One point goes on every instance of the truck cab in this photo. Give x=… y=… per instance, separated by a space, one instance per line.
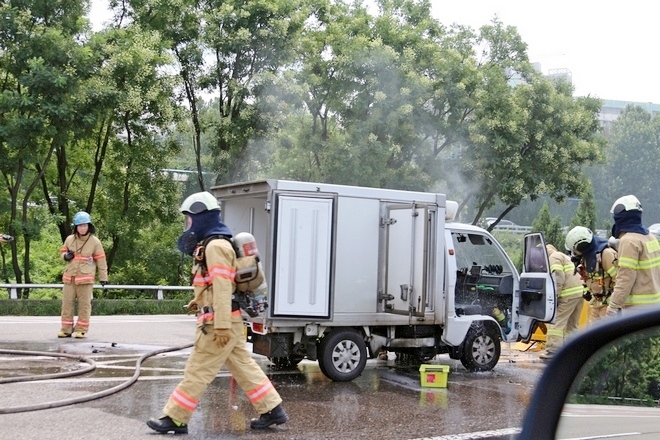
x=352 y=271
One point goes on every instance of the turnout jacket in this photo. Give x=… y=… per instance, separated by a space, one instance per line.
x=214 y=284
x=568 y=283
x=88 y=256
x=638 y=275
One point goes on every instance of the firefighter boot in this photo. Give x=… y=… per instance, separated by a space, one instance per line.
x=63 y=334
x=275 y=416
x=166 y=424
x=80 y=335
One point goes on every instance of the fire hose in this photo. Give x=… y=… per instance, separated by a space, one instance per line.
x=90 y=367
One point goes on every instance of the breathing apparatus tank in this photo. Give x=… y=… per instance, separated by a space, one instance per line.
x=246 y=244
x=249 y=277
x=500 y=316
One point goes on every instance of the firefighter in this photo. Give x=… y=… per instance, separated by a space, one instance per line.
x=84 y=256
x=596 y=262
x=638 y=274
x=569 y=301
x=219 y=338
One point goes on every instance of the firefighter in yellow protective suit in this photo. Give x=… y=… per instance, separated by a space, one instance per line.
x=596 y=262
x=569 y=300
x=638 y=276
x=219 y=339
x=84 y=256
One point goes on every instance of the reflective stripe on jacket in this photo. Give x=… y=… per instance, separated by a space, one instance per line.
x=89 y=257
x=638 y=275
x=567 y=280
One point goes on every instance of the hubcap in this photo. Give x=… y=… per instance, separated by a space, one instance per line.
x=483 y=350
x=345 y=356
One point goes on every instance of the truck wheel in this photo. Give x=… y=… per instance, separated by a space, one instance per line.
x=343 y=355
x=481 y=350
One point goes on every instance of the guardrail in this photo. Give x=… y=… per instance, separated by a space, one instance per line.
x=515 y=229
x=13 y=288
x=525 y=229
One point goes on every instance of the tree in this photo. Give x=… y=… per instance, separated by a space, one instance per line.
x=551 y=228
x=249 y=42
x=42 y=64
x=632 y=162
x=586 y=214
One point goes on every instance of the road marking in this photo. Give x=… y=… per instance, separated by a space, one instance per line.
x=476 y=435
x=623 y=434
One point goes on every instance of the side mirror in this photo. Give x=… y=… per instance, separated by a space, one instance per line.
x=601 y=373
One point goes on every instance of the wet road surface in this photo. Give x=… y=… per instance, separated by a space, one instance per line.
x=385 y=402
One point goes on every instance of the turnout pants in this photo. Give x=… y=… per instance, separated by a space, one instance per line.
x=566 y=321
x=204 y=363
x=72 y=293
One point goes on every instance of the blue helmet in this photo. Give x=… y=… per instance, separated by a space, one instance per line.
x=81 y=218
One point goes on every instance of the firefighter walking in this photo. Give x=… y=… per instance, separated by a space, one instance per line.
x=84 y=256
x=638 y=276
x=219 y=338
x=569 y=300
x=596 y=263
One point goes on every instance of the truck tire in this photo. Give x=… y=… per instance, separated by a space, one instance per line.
x=481 y=349
x=343 y=355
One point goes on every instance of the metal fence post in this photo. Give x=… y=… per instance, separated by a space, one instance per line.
x=160 y=294
x=13 y=293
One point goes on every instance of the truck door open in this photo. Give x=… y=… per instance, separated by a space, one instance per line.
x=537 y=288
x=407 y=230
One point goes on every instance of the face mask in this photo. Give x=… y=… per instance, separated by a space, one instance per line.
x=187 y=242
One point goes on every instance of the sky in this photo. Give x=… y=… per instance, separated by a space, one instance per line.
x=607 y=46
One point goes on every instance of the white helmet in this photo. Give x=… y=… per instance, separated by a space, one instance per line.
x=626 y=203
x=199 y=202
x=577 y=238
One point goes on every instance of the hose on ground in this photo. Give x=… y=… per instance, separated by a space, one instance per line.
x=90 y=367
x=72 y=401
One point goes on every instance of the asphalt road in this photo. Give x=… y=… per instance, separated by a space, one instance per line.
x=385 y=402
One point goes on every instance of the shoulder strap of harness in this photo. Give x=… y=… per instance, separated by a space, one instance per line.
x=200 y=252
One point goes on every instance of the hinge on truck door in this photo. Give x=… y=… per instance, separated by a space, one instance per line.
x=387 y=221
x=382 y=296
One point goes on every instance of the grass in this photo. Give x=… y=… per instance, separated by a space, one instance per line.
x=53 y=307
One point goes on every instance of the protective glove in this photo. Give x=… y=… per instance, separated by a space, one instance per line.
x=221 y=336
x=612 y=312
x=587 y=295
x=103 y=283
x=192 y=307
x=68 y=256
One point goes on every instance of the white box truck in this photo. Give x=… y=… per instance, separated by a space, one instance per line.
x=352 y=271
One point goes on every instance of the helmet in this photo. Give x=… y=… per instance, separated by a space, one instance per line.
x=199 y=202
x=578 y=238
x=81 y=218
x=626 y=203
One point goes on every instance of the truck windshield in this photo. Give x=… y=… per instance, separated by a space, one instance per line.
x=478 y=255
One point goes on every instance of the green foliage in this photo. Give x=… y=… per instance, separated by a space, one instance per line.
x=513 y=244
x=631 y=163
x=625 y=373
x=551 y=228
x=308 y=90
x=586 y=214
x=33 y=307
